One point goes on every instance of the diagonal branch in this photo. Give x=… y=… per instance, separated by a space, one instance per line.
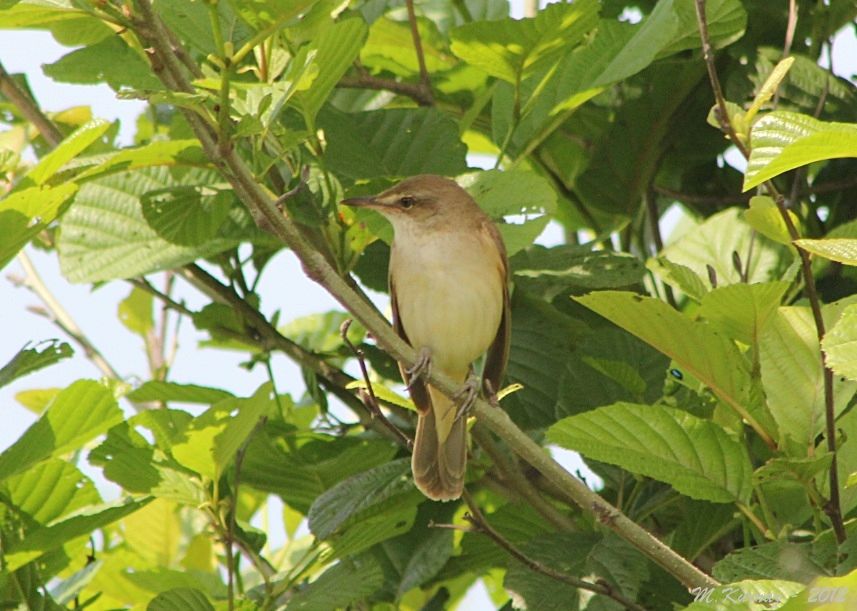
x=29 y=108
x=481 y=525
x=261 y=205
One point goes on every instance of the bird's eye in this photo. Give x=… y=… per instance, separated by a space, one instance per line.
x=407 y=201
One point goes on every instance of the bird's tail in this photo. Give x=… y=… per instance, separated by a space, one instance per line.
x=439 y=461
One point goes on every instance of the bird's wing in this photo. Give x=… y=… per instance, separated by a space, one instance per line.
x=498 y=352
x=418 y=391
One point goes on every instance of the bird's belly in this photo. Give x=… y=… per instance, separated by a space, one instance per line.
x=453 y=309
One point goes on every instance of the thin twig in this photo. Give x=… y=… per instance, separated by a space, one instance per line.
x=29 y=108
x=367 y=81
x=57 y=314
x=720 y=100
x=833 y=507
x=418 y=47
x=481 y=525
x=369 y=398
x=518 y=483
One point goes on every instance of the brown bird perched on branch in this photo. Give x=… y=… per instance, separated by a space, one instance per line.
x=448 y=285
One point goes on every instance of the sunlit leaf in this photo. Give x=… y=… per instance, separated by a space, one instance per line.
x=30 y=359
x=77 y=414
x=783 y=141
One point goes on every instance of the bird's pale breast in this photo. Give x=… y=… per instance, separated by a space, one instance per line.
x=449 y=292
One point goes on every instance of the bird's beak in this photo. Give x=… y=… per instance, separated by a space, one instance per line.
x=361 y=202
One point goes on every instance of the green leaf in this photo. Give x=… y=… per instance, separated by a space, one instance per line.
x=392 y=142
x=622 y=566
x=77 y=414
x=742 y=310
x=262 y=13
x=783 y=141
x=105 y=235
x=157 y=390
x=840 y=344
x=610 y=365
x=160 y=152
x=46 y=538
x=354 y=495
x=839 y=592
x=70 y=26
x=774 y=560
x=800 y=469
x=765 y=217
x=562 y=270
x=301 y=475
x=27 y=360
x=211 y=440
x=109 y=61
x=518 y=236
x=319 y=332
x=842 y=250
x=695 y=456
x=26 y=213
x=713 y=243
x=428 y=557
x=700 y=349
x=792 y=375
x=192 y=22
x=135 y=312
x=542 y=340
x=565 y=552
x=335 y=49
x=130 y=461
x=390 y=46
x=68 y=149
x=50 y=489
x=186 y=215
x=154 y=532
x=669 y=28
x=513 y=49
x=180 y=599
x=692 y=537
x=500 y=193
x=678 y=276
x=346 y=582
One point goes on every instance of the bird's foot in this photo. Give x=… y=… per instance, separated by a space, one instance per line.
x=421 y=369
x=465 y=397
x=491 y=394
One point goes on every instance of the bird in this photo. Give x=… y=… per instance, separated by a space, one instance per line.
x=449 y=289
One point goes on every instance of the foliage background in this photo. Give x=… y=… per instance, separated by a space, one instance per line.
x=581 y=164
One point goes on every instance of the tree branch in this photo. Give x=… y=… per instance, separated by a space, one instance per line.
x=481 y=525
x=29 y=108
x=261 y=205
x=365 y=80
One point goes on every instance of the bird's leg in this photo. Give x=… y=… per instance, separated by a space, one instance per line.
x=421 y=369
x=491 y=394
x=466 y=395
